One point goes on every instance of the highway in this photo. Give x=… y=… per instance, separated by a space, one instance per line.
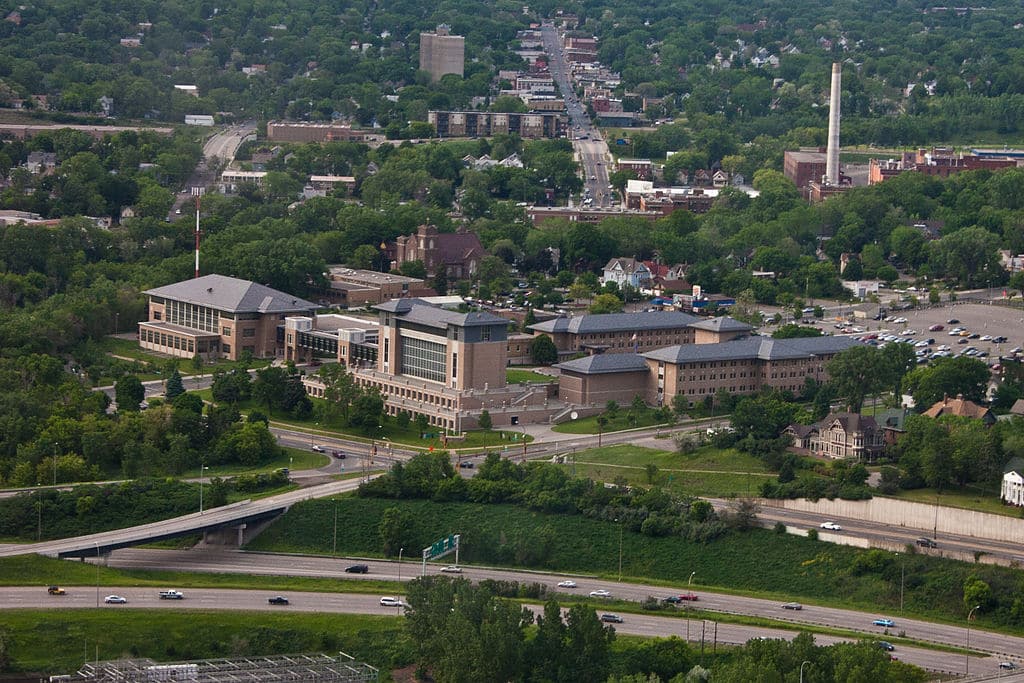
x=219 y=148
x=590 y=149
x=218 y=560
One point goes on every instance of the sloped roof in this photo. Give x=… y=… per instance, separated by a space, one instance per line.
x=232 y=295
x=605 y=363
x=425 y=313
x=958 y=406
x=722 y=324
x=1018 y=407
x=801 y=430
x=1014 y=465
x=617 y=322
x=762 y=348
x=851 y=422
x=456 y=247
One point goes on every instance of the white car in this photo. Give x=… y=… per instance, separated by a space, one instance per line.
x=600 y=593
x=452 y=569
x=566 y=584
x=831 y=526
x=115 y=600
x=391 y=602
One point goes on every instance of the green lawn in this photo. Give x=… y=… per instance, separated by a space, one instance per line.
x=516 y=376
x=588 y=425
x=707 y=472
x=130 y=349
x=970 y=498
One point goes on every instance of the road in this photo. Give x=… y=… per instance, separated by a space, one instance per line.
x=219 y=148
x=227 y=561
x=590 y=149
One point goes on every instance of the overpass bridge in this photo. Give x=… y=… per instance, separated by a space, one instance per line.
x=237 y=515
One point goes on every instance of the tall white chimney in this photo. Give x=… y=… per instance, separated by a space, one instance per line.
x=832 y=157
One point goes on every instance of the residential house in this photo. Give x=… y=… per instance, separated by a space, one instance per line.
x=627 y=271
x=961 y=407
x=1012 y=490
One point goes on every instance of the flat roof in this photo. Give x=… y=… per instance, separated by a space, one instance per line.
x=806 y=156
x=617 y=322
x=340 y=272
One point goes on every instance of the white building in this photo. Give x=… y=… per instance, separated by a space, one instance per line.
x=1012 y=492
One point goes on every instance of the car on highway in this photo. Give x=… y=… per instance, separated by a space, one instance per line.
x=612 y=618
x=357 y=569
x=688 y=597
x=926 y=542
x=600 y=593
x=278 y=600
x=888 y=623
x=172 y=595
x=391 y=602
x=319 y=449
x=340 y=455
x=1007 y=665
x=831 y=526
x=115 y=600
x=452 y=569
x=567 y=584
x=885 y=645
x=792 y=605
x=56 y=590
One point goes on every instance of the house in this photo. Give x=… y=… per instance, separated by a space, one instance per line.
x=456 y=253
x=41 y=163
x=1012 y=490
x=840 y=436
x=627 y=271
x=961 y=407
x=1018 y=408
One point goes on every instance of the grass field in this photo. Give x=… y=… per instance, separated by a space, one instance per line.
x=970 y=498
x=59 y=639
x=516 y=375
x=128 y=348
x=708 y=472
x=588 y=425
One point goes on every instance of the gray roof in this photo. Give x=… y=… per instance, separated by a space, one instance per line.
x=605 y=363
x=722 y=324
x=424 y=313
x=232 y=295
x=1014 y=464
x=763 y=348
x=616 y=322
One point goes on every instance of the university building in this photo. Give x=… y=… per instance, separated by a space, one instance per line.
x=215 y=316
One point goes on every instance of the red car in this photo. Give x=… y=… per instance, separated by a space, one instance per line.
x=690 y=597
x=936 y=328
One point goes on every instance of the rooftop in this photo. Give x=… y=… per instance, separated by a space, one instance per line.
x=722 y=324
x=232 y=295
x=423 y=313
x=605 y=363
x=617 y=322
x=368 y=277
x=761 y=348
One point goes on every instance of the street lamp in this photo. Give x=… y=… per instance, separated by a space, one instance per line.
x=400 y=551
x=56 y=448
x=202 y=468
x=967 y=655
x=802 y=665
x=621 y=527
x=97 y=544
x=902 y=568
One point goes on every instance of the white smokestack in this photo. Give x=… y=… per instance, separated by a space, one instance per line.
x=832 y=157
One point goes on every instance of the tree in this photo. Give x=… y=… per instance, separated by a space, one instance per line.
x=368 y=412
x=484 y=421
x=129 y=393
x=856 y=373
x=543 y=351
x=365 y=256
x=175 y=387
x=948 y=377
x=422 y=423
x=395 y=530
x=339 y=389
x=269 y=387
x=792 y=331
x=606 y=303
x=588 y=645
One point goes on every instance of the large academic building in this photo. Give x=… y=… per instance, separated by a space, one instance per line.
x=215 y=316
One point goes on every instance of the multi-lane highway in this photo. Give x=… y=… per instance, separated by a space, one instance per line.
x=590 y=149
x=1001 y=647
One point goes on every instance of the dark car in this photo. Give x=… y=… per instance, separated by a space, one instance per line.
x=886 y=646
x=340 y=455
x=613 y=618
x=953 y=321
x=466 y=464
x=357 y=569
x=672 y=600
x=278 y=600
x=792 y=605
x=926 y=542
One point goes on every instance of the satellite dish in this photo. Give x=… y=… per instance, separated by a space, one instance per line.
x=574 y=415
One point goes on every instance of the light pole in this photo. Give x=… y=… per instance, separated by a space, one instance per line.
x=312 y=433
x=56 y=448
x=902 y=574
x=967 y=655
x=621 y=527
x=802 y=665
x=97 y=544
x=202 y=468
x=400 y=551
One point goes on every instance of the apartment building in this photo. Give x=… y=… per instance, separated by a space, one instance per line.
x=442 y=53
x=487 y=123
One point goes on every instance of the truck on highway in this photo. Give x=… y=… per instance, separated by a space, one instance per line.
x=172 y=595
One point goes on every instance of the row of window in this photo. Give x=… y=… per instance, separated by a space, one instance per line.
x=424 y=359
x=171 y=341
x=246 y=332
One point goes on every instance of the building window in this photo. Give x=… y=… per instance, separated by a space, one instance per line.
x=424 y=359
x=485 y=334
x=249 y=332
x=157 y=315
x=455 y=365
x=226 y=332
x=226 y=348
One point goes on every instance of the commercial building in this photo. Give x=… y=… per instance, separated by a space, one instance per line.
x=353 y=287
x=804 y=166
x=487 y=123
x=216 y=316
x=442 y=53
x=291 y=131
x=584 y=214
x=738 y=364
x=940 y=161
x=641 y=195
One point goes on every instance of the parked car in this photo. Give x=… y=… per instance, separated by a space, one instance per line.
x=886 y=645
x=831 y=526
x=888 y=623
x=600 y=593
x=466 y=464
x=391 y=602
x=612 y=618
x=115 y=600
x=926 y=542
x=357 y=569
x=56 y=590
x=953 y=321
x=452 y=569
x=278 y=600
x=792 y=605
x=936 y=328
x=567 y=584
